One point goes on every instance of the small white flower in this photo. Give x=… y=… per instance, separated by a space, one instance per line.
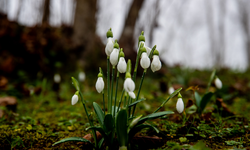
x=145 y=61
x=129 y=87
x=109 y=46
x=99 y=85
x=81 y=76
x=180 y=105
x=148 y=50
x=156 y=63
x=122 y=65
x=74 y=99
x=171 y=90
x=218 y=83
x=57 y=78
x=114 y=56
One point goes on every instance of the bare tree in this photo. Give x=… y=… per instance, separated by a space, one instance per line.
x=126 y=41
x=243 y=7
x=46 y=12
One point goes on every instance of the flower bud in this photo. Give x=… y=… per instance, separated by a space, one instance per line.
x=114 y=57
x=135 y=121
x=145 y=61
x=81 y=76
x=75 y=98
x=109 y=46
x=218 y=83
x=109 y=33
x=156 y=63
x=180 y=105
x=171 y=90
x=129 y=86
x=99 y=83
x=122 y=65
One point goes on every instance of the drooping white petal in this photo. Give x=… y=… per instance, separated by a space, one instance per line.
x=170 y=90
x=156 y=63
x=180 y=105
x=218 y=83
x=122 y=65
x=142 y=42
x=74 y=99
x=131 y=94
x=145 y=61
x=57 y=78
x=129 y=85
x=148 y=50
x=114 y=57
x=99 y=85
x=109 y=46
x=81 y=76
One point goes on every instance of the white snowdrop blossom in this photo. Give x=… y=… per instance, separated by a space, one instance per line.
x=99 y=84
x=114 y=57
x=180 y=105
x=81 y=76
x=109 y=46
x=145 y=61
x=148 y=50
x=57 y=78
x=170 y=90
x=129 y=87
x=122 y=65
x=218 y=83
x=74 y=99
x=156 y=63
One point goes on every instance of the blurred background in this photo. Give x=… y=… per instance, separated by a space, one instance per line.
x=45 y=37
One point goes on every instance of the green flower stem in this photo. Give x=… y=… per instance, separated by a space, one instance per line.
x=116 y=89
x=136 y=65
x=90 y=122
x=120 y=101
x=138 y=94
x=108 y=84
x=112 y=83
x=125 y=100
x=103 y=102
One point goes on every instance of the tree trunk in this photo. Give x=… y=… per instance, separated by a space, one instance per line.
x=46 y=12
x=127 y=37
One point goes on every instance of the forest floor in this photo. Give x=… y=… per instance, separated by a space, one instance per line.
x=47 y=116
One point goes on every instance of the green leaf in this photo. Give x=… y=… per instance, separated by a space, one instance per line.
x=154 y=116
x=211 y=79
x=138 y=101
x=197 y=99
x=100 y=143
x=75 y=139
x=99 y=113
x=171 y=96
x=121 y=127
x=75 y=83
x=205 y=99
x=108 y=123
x=138 y=128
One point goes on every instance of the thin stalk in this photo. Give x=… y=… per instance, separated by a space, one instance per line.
x=125 y=100
x=103 y=102
x=136 y=65
x=138 y=94
x=120 y=101
x=90 y=122
x=112 y=83
x=116 y=89
x=108 y=85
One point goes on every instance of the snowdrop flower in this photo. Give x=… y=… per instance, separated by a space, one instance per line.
x=57 y=78
x=129 y=86
x=171 y=90
x=148 y=50
x=179 y=104
x=114 y=55
x=81 y=76
x=99 y=83
x=75 y=98
x=156 y=63
x=145 y=61
x=218 y=83
x=110 y=43
x=122 y=65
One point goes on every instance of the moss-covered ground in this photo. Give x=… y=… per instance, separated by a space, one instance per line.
x=45 y=117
